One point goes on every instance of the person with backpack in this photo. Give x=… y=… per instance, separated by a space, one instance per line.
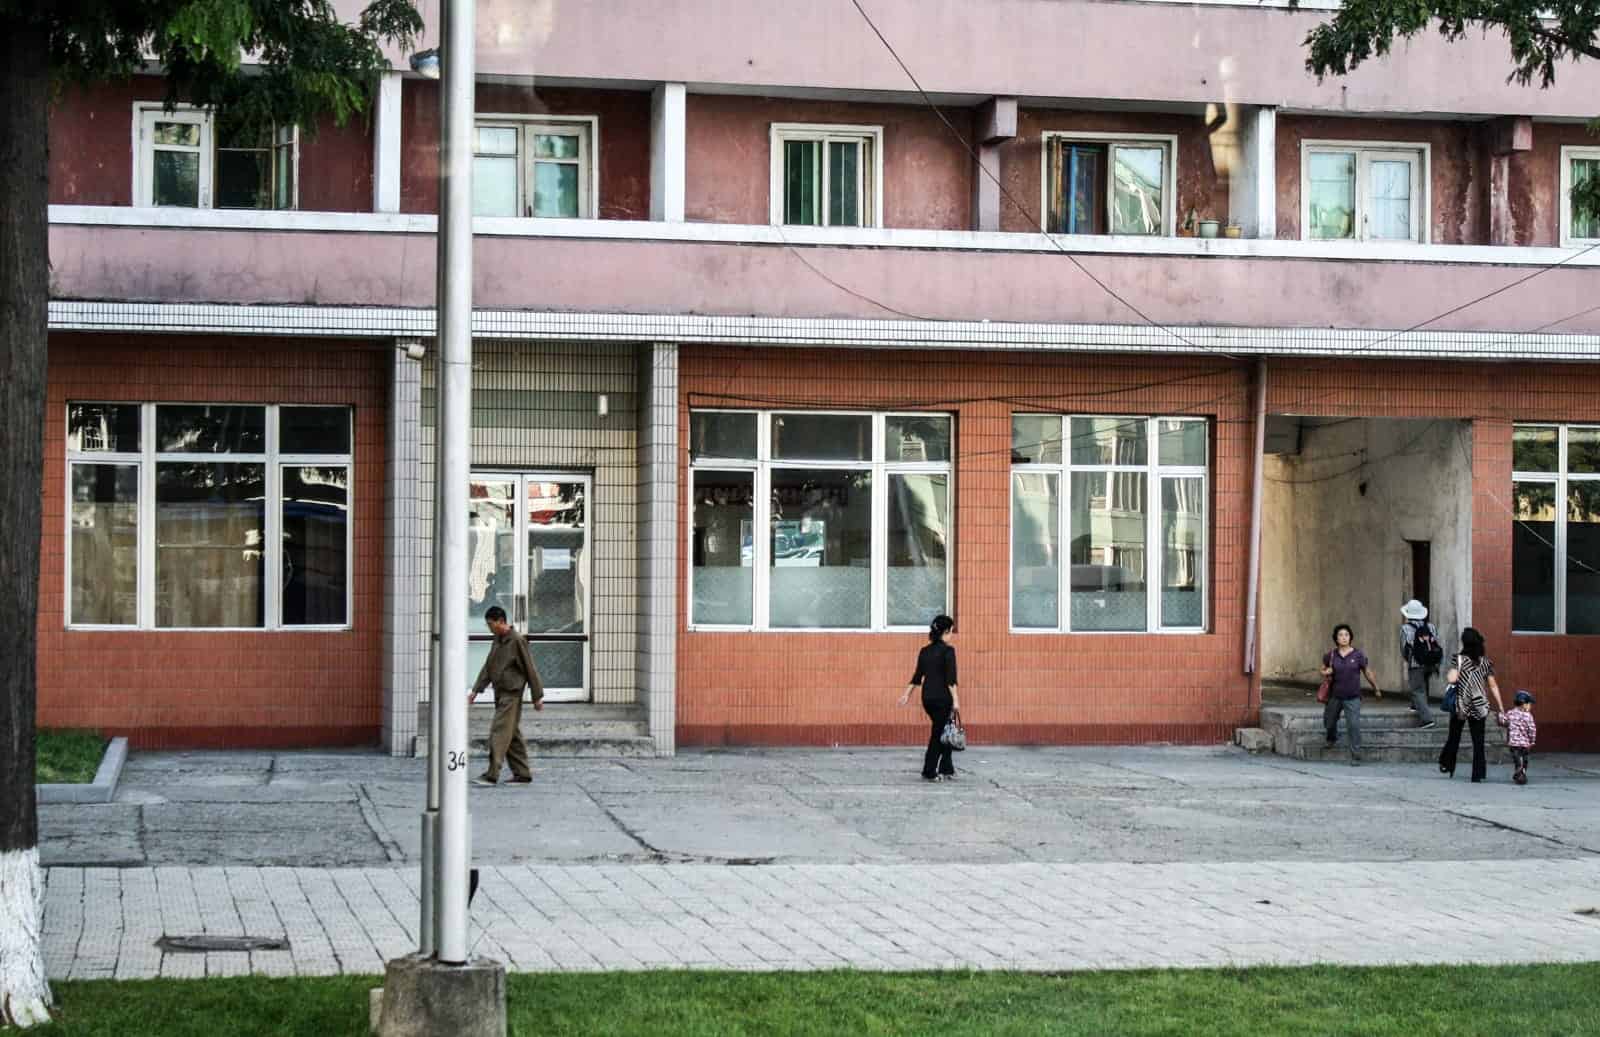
x=1422 y=651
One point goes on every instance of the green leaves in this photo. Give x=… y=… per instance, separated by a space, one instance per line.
x=258 y=62
x=1540 y=33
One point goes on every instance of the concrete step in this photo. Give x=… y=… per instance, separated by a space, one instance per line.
x=1389 y=734
x=562 y=729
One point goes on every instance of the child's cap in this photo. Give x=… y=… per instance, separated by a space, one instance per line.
x=1521 y=697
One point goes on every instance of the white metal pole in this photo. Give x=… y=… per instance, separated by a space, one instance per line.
x=429 y=886
x=454 y=454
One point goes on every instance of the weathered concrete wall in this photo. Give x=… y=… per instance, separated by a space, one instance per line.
x=624 y=131
x=1200 y=185
x=366 y=269
x=91 y=151
x=1536 y=182
x=1198 y=52
x=927 y=174
x=1335 y=554
x=1458 y=192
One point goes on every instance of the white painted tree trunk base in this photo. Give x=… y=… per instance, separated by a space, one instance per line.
x=24 y=991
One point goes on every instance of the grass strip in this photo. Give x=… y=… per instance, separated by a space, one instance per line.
x=68 y=757
x=1411 y=1001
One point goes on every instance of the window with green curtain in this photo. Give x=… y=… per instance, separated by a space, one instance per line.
x=802 y=182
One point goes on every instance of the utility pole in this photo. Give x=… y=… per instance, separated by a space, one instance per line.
x=442 y=990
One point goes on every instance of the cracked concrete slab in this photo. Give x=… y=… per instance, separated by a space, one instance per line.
x=803 y=806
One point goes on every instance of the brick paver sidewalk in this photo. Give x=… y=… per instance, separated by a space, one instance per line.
x=104 y=922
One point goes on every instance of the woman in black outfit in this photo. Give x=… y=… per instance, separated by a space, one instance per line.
x=936 y=672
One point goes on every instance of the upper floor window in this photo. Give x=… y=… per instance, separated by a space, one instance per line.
x=185 y=158
x=197 y=516
x=1359 y=192
x=1109 y=185
x=1578 y=167
x=1555 y=529
x=827 y=176
x=1128 y=498
x=815 y=520
x=523 y=167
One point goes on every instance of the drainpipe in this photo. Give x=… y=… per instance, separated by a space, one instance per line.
x=1253 y=576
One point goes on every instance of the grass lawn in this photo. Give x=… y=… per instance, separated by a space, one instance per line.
x=68 y=757
x=1527 y=1001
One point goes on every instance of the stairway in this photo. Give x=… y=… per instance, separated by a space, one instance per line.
x=561 y=729
x=1389 y=733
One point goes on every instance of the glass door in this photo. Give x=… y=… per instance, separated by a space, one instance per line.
x=528 y=552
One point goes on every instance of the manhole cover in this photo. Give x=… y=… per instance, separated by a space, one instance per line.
x=202 y=944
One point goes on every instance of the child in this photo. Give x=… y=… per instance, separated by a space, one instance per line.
x=1520 y=734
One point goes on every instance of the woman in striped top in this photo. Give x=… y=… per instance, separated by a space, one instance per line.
x=1473 y=676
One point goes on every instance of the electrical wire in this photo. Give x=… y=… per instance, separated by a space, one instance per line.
x=1006 y=192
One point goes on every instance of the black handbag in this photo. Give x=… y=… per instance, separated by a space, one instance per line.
x=954 y=735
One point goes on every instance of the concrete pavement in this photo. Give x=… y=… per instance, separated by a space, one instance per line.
x=1050 y=858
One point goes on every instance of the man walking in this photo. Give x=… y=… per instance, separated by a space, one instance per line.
x=509 y=668
x=1420 y=647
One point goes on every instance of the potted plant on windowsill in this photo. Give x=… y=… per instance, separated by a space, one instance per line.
x=1186 y=230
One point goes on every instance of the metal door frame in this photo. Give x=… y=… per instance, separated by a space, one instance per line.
x=521 y=478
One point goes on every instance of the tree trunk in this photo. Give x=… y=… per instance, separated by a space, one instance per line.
x=24 y=297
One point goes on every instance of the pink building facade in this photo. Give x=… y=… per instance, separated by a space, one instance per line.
x=779 y=356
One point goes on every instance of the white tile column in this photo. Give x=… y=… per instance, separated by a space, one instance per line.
x=386 y=144
x=668 y=121
x=1253 y=185
x=405 y=553
x=659 y=531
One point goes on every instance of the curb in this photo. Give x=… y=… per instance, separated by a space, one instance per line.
x=101 y=790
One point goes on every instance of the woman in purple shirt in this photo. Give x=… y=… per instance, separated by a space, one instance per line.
x=1344 y=667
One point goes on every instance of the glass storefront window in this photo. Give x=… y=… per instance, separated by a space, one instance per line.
x=723 y=548
x=821 y=548
x=1135 y=519
x=816 y=521
x=919 y=546
x=222 y=513
x=104 y=527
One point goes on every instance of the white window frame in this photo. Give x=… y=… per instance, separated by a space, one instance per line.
x=1560 y=479
x=146 y=114
x=762 y=467
x=1155 y=555
x=1570 y=152
x=272 y=460
x=825 y=134
x=1418 y=153
x=1169 y=186
x=588 y=162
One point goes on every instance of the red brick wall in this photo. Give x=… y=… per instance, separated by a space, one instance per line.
x=826 y=688
x=217 y=689
x=91 y=151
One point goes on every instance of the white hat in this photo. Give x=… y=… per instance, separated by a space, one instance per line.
x=1414 y=609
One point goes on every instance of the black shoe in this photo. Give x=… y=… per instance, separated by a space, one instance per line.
x=523 y=781
x=1451 y=771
